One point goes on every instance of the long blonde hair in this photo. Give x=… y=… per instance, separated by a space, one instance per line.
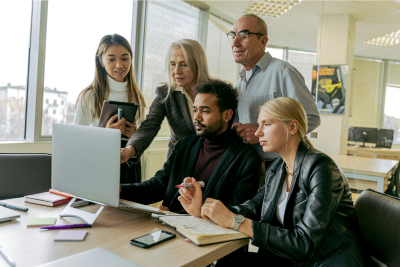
x=286 y=109
x=195 y=58
x=100 y=88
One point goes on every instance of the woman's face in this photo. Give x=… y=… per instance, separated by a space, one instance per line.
x=117 y=62
x=271 y=133
x=181 y=73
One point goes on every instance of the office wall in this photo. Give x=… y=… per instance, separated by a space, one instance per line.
x=366 y=94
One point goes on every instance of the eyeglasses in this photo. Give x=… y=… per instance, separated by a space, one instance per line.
x=243 y=35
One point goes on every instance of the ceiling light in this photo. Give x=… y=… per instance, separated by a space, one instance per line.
x=385 y=40
x=272 y=8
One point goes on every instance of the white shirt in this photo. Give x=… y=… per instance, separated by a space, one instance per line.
x=85 y=110
x=189 y=100
x=282 y=201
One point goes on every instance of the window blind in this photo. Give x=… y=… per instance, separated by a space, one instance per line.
x=303 y=62
x=166 y=22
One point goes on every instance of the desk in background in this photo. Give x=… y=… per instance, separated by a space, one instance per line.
x=374 y=152
x=112 y=230
x=363 y=173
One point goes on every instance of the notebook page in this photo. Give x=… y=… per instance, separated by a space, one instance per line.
x=198 y=226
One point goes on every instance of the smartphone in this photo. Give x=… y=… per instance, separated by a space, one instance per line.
x=152 y=239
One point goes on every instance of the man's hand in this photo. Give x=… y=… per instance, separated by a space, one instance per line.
x=246 y=132
x=161 y=207
x=127 y=153
x=191 y=199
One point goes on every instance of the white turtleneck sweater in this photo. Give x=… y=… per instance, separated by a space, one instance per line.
x=85 y=111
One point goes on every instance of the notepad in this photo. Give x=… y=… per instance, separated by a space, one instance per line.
x=70 y=235
x=38 y=222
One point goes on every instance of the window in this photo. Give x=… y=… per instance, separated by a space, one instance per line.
x=219 y=53
x=303 y=62
x=70 y=41
x=62 y=102
x=13 y=83
x=54 y=111
x=55 y=101
x=276 y=52
x=391 y=119
x=167 y=22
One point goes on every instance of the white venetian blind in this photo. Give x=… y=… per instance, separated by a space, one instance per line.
x=303 y=62
x=167 y=22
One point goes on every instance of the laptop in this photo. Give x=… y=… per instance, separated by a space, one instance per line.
x=98 y=257
x=86 y=162
x=7 y=214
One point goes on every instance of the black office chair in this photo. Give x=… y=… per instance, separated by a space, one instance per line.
x=394 y=185
x=24 y=174
x=378 y=217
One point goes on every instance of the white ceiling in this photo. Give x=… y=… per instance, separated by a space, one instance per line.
x=298 y=28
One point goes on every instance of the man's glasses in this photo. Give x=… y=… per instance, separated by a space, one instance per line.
x=243 y=35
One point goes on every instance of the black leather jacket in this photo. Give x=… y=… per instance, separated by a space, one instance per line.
x=320 y=224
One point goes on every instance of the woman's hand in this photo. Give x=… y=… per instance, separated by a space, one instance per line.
x=116 y=125
x=215 y=210
x=127 y=153
x=130 y=128
x=191 y=199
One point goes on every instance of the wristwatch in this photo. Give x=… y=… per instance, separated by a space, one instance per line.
x=237 y=221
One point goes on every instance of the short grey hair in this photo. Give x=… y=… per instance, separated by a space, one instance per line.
x=261 y=25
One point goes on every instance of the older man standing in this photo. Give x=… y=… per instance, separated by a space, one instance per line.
x=263 y=78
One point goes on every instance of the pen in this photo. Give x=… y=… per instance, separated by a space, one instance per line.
x=6 y=256
x=119 y=113
x=55 y=227
x=59 y=193
x=13 y=207
x=189 y=185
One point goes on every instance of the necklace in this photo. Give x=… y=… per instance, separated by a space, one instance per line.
x=287 y=170
x=117 y=98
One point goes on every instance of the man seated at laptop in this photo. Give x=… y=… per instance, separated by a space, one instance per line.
x=215 y=155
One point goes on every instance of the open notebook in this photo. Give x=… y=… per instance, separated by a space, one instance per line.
x=200 y=231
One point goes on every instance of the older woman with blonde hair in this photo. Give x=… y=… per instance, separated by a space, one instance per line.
x=186 y=64
x=304 y=214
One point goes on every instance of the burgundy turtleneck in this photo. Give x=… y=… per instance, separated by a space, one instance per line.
x=211 y=151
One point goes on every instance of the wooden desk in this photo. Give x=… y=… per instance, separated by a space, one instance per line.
x=374 y=152
x=364 y=173
x=112 y=231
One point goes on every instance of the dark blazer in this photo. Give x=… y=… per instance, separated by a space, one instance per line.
x=320 y=224
x=175 y=108
x=234 y=179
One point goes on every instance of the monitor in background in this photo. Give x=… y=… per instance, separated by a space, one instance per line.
x=385 y=138
x=362 y=134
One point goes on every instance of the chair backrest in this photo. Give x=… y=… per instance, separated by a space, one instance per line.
x=378 y=217
x=393 y=188
x=24 y=174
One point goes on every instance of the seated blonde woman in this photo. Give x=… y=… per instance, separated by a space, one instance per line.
x=304 y=214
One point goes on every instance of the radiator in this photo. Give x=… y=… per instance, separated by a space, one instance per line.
x=154 y=161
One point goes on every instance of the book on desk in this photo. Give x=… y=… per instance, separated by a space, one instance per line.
x=200 y=231
x=47 y=199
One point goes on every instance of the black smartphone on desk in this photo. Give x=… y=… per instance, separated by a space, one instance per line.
x=152 y=239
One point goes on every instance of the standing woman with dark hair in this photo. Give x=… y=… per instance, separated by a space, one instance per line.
x=186 y=64
x=114 y=80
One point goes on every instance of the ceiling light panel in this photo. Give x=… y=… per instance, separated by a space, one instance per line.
x=385 y=40
x=273 y=8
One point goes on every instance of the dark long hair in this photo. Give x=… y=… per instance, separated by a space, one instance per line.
x=100 y=88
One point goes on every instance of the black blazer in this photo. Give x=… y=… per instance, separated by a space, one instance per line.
x=175 y=108
x=320 y=223
x=234 y=180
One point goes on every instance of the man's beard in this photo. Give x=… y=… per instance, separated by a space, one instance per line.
x=210 y=130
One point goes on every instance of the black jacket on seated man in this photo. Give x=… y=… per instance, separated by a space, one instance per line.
x=320 y=222
x=234 y=179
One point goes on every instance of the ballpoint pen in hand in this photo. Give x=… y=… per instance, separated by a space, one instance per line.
x=6 y=256
x=55 y=227
x=13 y=207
